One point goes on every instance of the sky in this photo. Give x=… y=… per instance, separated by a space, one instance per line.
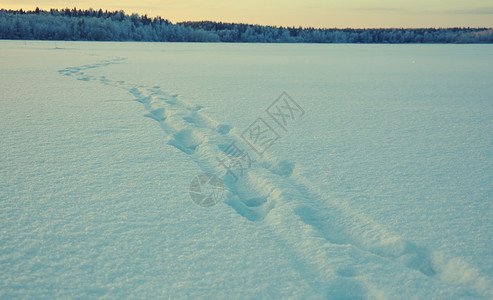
x=306 y=13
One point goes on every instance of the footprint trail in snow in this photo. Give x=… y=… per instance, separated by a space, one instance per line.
x=324 y=234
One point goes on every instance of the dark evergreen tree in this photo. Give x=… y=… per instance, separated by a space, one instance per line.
x=73 y=24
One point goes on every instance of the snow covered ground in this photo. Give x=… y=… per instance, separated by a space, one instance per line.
x=379 y=184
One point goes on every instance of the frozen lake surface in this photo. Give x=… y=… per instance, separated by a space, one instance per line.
x=371 y=177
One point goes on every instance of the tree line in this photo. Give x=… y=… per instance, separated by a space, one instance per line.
x=98 y=25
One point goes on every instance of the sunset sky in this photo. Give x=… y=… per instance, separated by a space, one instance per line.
x=315 y=13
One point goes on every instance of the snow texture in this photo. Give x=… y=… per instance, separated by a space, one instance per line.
x=380 y=190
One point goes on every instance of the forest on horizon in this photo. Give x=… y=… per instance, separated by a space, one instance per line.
x=98 y=25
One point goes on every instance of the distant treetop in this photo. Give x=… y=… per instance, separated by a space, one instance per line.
x=98 y=25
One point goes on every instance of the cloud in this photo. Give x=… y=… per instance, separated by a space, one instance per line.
x=382 y=9
x=435 y=11
x=477 y=11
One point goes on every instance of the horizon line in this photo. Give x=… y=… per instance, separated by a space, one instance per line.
x=242 y=23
